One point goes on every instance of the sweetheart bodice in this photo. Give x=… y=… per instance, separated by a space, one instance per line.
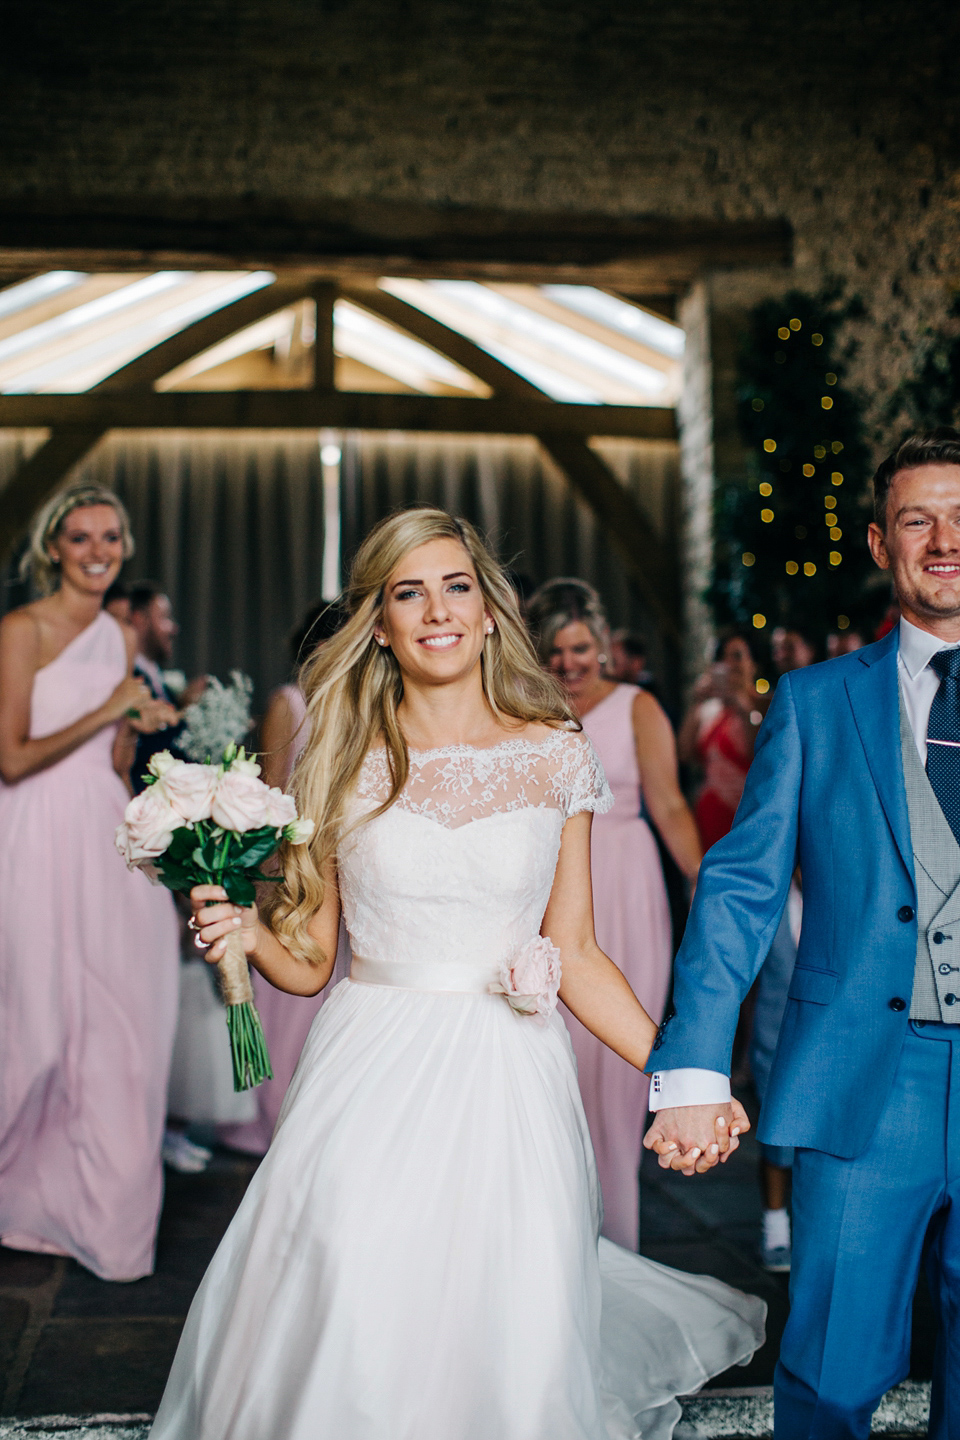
x=455 y=877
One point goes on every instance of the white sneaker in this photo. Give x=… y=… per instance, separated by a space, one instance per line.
x=776 y=1258
x=178 y=1152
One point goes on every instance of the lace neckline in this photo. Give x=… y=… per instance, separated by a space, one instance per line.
x=417 y=757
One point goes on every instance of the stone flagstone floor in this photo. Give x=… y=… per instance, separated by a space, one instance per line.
x=73 y=1346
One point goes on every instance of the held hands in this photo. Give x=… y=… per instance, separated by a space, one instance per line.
x=132 y=700
x=215 y=917
x=692 y=1138
x=153 y=715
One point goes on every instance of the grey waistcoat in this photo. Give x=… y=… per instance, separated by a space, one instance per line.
x=936 y=855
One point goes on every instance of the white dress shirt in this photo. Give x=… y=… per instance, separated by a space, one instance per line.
x=918 y=685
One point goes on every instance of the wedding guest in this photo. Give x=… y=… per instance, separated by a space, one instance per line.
x=153 y=620
x=88 y=951
x=286 y=1018
x=776 y=1161
x=634 y=740
x=844 y=643
x=793 y=647
x=719 y=731
x=116 y=602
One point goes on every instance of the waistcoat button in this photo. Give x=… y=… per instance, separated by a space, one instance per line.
x=905 y=913
x=949 y=999
x=897 y=1004
x=938 y=937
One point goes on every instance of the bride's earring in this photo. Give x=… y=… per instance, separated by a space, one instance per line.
x=488 y=629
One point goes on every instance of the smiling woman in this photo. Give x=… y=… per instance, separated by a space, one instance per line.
x=421 y=1239
x=88 y=1008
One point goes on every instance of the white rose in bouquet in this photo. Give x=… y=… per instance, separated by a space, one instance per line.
x=298 y=832
x=148 y=827
x=240 y=801
x=189 y=789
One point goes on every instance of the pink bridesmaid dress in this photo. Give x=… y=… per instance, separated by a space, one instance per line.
x=88 y=993
x=286 y=1018
x=632 y=919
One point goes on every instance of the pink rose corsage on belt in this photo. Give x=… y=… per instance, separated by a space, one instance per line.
x=531 y=979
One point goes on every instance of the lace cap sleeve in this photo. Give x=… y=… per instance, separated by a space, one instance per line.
x=583 y=782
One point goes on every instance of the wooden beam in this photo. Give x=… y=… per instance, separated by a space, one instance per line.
x=456 y=346
x=325 y=298
x=639 y=252
x=340 y=409
x=160 y=359
x=641 y=550
x=39 y=476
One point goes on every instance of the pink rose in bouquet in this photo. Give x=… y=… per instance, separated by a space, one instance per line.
x=148 y=827
x=281 y=809
x=531 y=980
x=240 y=802
x=189 y=788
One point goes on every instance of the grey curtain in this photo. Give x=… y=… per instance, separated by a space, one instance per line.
x=232 y=524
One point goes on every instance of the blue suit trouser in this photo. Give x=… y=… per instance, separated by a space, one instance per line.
x=861 y=1230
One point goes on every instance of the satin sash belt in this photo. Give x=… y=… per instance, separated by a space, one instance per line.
x=435 y=975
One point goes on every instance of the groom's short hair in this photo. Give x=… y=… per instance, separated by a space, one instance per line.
x=932 y=447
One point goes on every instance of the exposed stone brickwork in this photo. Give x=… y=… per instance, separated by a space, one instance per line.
x=841 y=118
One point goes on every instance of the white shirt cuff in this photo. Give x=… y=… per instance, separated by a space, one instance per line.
x=688 y=1087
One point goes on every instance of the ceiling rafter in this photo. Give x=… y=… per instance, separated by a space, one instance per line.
x=37 y=477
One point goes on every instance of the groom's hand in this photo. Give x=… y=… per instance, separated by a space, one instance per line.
x=693 y=1138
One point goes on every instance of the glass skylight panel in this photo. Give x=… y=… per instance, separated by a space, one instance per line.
x=82 y=365
x=361 y=336
x=554 y=384
x=619 y=315
x=40 y=287
x=581 y=348
x=575 y=362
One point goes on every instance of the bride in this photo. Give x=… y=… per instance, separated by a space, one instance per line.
x=417 y=1256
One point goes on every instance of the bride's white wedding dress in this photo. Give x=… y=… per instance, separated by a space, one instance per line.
x=416 y=1257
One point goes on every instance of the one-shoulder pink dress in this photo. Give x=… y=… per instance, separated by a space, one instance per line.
x=88 y=992
x=632 y=919
x=286 y=1018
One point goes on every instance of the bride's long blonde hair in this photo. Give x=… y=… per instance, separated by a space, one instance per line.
x=353 y=686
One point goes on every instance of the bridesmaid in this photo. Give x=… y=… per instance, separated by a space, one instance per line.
x=286 y=1018
x=88 y=951
x=634 y=740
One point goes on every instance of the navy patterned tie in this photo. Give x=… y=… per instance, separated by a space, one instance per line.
x=943 y=737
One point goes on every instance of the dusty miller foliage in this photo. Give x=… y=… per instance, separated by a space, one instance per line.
x=220 y=718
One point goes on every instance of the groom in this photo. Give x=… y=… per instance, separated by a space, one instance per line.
x=857 y=779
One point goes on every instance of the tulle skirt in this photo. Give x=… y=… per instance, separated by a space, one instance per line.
x=417 y=1256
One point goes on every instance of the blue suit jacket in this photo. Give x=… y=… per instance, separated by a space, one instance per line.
x=826 y=789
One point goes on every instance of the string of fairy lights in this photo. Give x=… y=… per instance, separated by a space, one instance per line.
x=821 y=452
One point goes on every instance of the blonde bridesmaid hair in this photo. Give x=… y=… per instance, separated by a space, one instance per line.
x=353 y=686
x=37 y=562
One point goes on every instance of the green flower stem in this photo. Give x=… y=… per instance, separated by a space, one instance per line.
x=248 y=1047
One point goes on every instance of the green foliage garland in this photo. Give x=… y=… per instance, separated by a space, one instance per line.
x=777 y=560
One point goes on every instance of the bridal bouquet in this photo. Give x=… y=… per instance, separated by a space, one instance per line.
x=215 y=825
